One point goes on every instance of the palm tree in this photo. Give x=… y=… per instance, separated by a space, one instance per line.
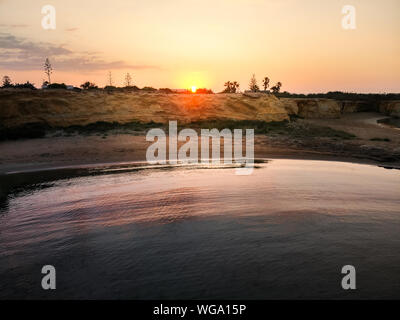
x=234 y=86
x=231 y=86
x=227 y=86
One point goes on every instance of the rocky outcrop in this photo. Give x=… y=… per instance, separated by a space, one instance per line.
x=65 y=108
x=290 y=106
x=390 y=108
x=61 y=108
x=310 y=108
x=358 y=106
x=313 y=108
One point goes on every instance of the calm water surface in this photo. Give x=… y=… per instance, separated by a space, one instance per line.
x=283 y=232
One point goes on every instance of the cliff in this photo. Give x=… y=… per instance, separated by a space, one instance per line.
x=60 y=108
x=390 y=108
x=65 y=108
x=325 y=108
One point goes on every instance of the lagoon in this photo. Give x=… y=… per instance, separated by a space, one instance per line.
x=284 y=232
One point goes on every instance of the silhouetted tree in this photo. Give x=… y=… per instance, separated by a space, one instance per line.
x=26 y=85
x=57 y=86
x=266 y=83
x=253 y=84
x=128 y=80
x=235 y=85
x=88 y=85
x=110 y=81
x=276 y=88
x=48 y=69
x=204 y=91
x=231 y=87
x=7 y=82
x=227 y=86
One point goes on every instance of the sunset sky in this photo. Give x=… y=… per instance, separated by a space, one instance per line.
x=180 y=44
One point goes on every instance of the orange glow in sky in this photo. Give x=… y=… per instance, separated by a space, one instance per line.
x=179 y=44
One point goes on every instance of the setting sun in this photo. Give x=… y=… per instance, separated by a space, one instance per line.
x=194 y=89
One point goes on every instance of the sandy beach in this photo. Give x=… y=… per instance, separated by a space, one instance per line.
x=374 y=143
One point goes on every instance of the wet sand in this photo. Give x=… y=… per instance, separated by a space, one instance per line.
x=113 y=147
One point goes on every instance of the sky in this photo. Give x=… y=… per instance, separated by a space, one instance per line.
x=180 y=44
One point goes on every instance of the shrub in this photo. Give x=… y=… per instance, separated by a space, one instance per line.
x=149 y=89
x=26 y=85
x=165 y=90
x=204 y=90
x=88 y=85
x=57 y=86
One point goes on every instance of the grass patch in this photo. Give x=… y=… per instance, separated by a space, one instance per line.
x=294 y=128
x=39 y=130
x=306 y=130
x=103 y=127
x=260 y=127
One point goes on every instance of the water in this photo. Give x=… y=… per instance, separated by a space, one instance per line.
x=283 y=232
x=390 y=122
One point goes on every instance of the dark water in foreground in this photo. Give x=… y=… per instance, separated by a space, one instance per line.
x=391 y=122
x=283 y=232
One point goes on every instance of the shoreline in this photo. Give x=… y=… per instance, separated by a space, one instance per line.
x=27 y=177
x=136 y=165
x=13 y=168
x=355 y=138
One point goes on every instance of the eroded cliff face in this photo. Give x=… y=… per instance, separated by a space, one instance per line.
x=65 y=108
x=390 y=108
x=313 y=108
x=324 y=108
